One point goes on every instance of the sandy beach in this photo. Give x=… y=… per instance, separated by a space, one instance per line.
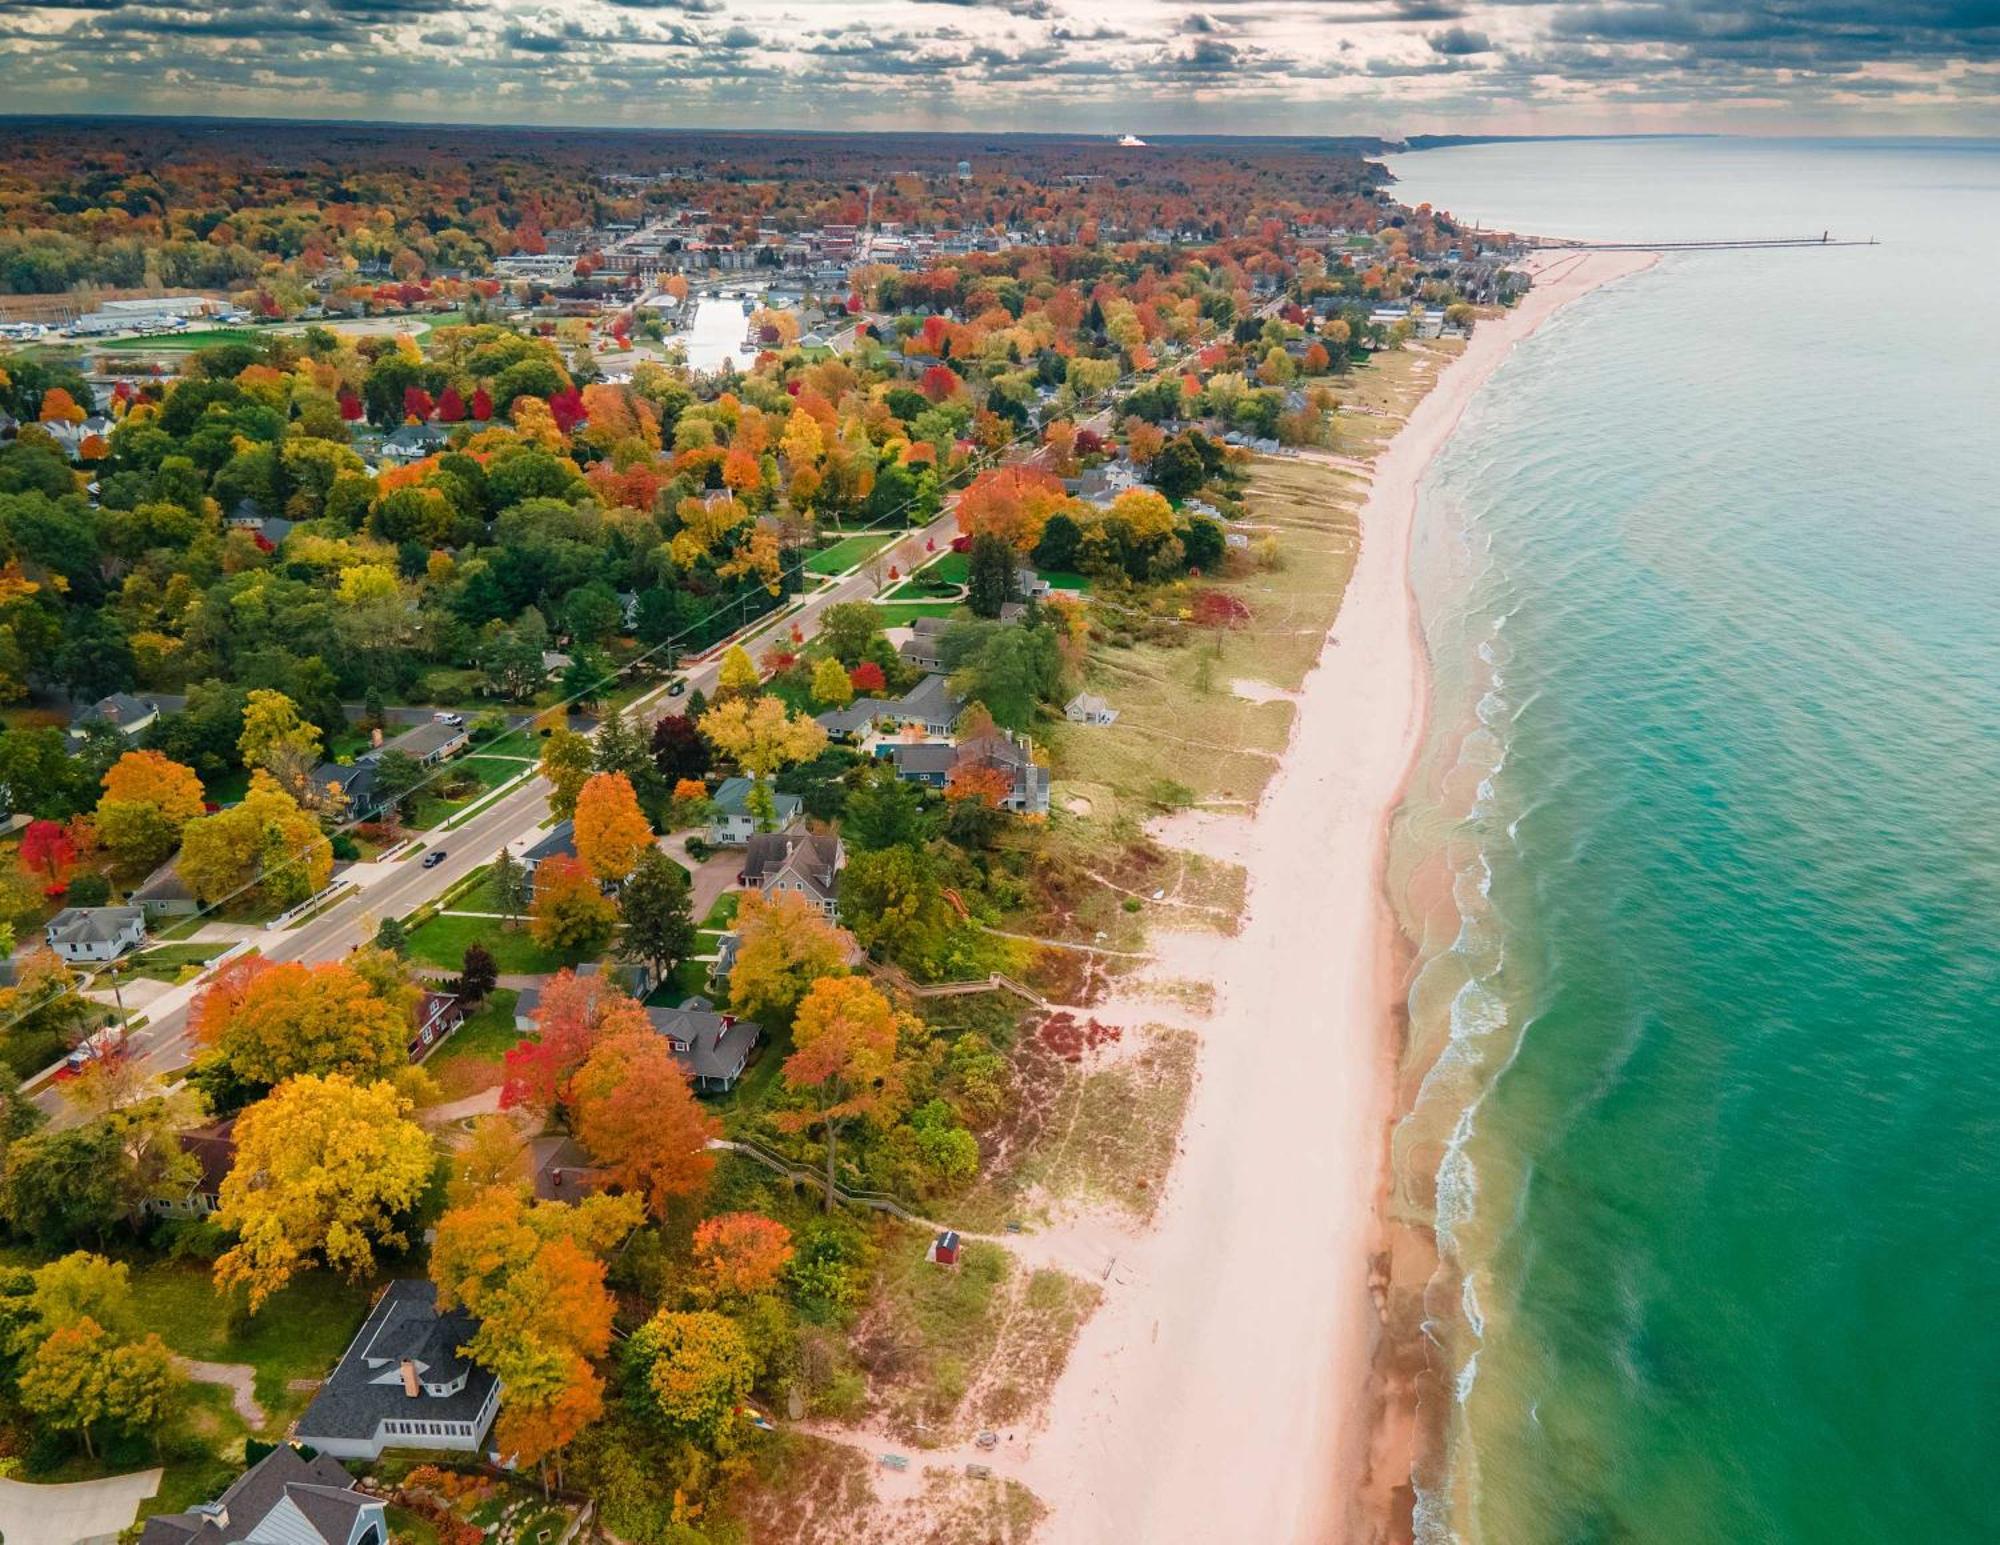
x=1224 y=1389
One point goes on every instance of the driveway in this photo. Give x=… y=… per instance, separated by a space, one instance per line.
x=708 y=879
x=78 y=1513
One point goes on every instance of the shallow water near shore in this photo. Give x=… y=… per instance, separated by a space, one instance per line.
x=1702 y=863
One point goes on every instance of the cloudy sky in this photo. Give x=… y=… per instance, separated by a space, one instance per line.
x=1256 y=66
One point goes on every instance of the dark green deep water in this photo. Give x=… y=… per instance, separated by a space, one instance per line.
x=1711 y=579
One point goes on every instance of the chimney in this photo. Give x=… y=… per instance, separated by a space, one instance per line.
x=410 y=1379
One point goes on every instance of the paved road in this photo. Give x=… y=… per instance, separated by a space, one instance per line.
x=394 y=890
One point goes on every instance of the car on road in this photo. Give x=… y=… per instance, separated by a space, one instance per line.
x=677 y=686
x=453 y=719
x=433 y=858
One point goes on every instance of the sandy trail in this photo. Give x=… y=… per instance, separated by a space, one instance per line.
x=1222 y=1391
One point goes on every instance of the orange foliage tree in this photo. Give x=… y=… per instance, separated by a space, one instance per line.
x=1012 y=503
x=637 y=1117
x=740 y=1254
x=611 y=832
x=576 y=1012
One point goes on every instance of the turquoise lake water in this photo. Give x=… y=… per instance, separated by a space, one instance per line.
x=1711 y=580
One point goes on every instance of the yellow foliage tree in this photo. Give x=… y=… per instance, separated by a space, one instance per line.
x=148 y=800
x=267 y=843
x=326 y=1170
x=784 y=945
x=762 y=734
x=738 y=672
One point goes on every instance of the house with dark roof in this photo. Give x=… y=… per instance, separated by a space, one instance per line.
x=928 y=762
x=930 y=707
x=561 y=1171
x=130 y=716
x=1001 y=751
x=83 y=935
x=734 y=823
x=923 y=647
x=166 y=894
x=712 y=1049
x=413 y=442
x=404 y=1383
x=559 y=841
x=283 y=1499
x=431 y=743
x=213 y=1149
x=800 y=863
x=355 y=782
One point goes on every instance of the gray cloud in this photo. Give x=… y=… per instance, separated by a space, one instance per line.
x=1458 y=40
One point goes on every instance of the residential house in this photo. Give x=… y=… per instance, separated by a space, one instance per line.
x=129 y=716
x=431 y=743
x=724 y=962
x=558 y=842
x=930 y=706
x=83 y=935
x=1085 y=708
x=712 y=1049
x=213 y=1149
x=798 y=863
x=436 y=1015
x=283 y=1499
x=1029 y=585
x=734 y=824
x=927 y=762
x=404 y=1383
x=166 y=894
x=355 y=782
x=561 y=1171
x=923 y=648
x=1030 y=792
x=413 y=442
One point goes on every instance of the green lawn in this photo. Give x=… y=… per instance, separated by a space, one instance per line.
x=487 y=771
x=846 y=553
x=299 y=1334
x=900 y=614
x=180 y=342
x=470 y=1060
x=950 y=569
x=164 y=962
x=723 y=913
x=442 y=942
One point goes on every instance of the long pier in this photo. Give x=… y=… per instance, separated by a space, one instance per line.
x=1824 y=239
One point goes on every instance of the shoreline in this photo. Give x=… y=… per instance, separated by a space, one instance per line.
x=1231 y=1384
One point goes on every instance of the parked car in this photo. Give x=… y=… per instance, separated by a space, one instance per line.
x=433 y=858
x=453 y=719
x=678 y=686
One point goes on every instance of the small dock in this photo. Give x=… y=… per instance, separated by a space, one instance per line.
x=1824 y=239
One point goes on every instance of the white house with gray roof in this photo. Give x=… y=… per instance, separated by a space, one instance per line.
x=404 y=1383
x=734 y=823
x=83 y=935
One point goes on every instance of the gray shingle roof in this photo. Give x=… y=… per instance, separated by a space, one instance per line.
x=733 y=798
x=707 y=1046
x=92 y=925
x=809 y=858
x=559 y=843
x=365 y=1389
x=320 y=1489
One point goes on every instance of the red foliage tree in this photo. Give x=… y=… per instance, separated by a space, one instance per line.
x=417 y=403
x=940 y=382
x=450 y=406
x=350 y=407
x=482 y=404
x=576 y=1014
x=868 y=677
x=48 y=853
x=566 y=408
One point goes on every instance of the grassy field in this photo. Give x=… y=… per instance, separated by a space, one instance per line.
x=487 y=771
x=900 y=614
x=1185 y=733
x=442 y=940
x=1101 y=1136
x=846 y=553
x=299 y=1334
x=470 y=1060
x=177 y=343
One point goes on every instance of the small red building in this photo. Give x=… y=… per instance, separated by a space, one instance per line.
x=944 y=1249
